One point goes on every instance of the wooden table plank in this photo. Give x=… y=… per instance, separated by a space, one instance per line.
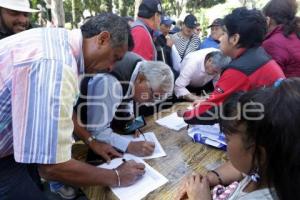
x=183 y=157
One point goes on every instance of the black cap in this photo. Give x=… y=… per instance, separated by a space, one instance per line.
x=148 y=8
x=190 y=21
x=217 y=22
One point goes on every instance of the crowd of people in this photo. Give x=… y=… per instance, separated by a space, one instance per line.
x=88 y=83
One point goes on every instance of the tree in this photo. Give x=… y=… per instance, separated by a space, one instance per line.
x=136 y=5
x=179 y=7
x=74 y=24
x=58 y=13
x=109 y=5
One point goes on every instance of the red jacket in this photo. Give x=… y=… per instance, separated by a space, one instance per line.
x=285 y=51
x=142 y=43
x=251 y=70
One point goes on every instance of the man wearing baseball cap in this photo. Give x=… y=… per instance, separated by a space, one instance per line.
x=163 y=41
x=217 y=30
x=14 y=16
x=185 y=42
x=143 y=29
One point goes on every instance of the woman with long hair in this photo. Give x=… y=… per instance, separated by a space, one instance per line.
x=283 y=39
x=263 y=146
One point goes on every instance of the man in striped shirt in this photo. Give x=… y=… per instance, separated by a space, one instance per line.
x=39 y=77
x=185 y=42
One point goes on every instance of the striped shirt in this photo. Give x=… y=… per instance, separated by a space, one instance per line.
x=39 y=71
x=185 y=45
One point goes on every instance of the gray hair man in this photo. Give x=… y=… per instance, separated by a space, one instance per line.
x=199 y=68
x=132 y=79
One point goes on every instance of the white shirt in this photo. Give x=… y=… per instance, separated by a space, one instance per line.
x=193 y=72
x=105 y=94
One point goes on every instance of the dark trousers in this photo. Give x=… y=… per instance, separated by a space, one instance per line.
x=208 y=87
x=18 y=181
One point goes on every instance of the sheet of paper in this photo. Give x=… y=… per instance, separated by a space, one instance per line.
x=150 y=136
x=172 y=122
x=149 y=182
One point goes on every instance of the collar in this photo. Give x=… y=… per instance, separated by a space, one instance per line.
x=217 y=41
x=151 y=31
x=277 y=29
x=239 y=53
x=76 y=41
x=132 y=80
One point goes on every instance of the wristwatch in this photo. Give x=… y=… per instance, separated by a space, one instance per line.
x=90 y=139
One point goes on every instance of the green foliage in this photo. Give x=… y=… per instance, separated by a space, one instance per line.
x=174 y=8
x=196 y=4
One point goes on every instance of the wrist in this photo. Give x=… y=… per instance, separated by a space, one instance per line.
x=215 y=178
x=90 y=140
x=118 y=179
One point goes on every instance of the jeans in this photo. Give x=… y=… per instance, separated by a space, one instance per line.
x=16 y=181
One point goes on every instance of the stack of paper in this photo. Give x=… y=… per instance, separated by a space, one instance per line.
x=172 y=122
x=149 y=182
x=150 y=137
x=208 y=134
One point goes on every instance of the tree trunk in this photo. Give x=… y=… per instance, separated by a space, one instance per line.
x=137 y=5
x=109 y=5
x=123 y=8
x=58 y=14
x=74 y=23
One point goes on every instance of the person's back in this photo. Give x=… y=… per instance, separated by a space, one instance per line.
x=142 y=29
x=38 y=40
x=283 y=39
x=25 y=58
x=254 y=69
x=285 y=50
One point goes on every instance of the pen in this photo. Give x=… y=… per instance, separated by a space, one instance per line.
x=142 y=134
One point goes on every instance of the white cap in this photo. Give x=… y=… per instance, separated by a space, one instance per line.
x=17 y=5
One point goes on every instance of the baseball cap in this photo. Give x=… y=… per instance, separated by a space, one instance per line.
x=167 y=20
x=190 y=21
x=149 y=7
x=217 y=22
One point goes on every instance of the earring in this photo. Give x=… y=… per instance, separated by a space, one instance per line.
x=254 y=175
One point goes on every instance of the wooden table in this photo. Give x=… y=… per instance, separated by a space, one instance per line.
x=183 y=157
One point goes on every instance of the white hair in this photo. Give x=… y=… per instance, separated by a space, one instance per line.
x=159 y=76
x=219 y=60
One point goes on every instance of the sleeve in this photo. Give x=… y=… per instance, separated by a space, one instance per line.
x=104 y=96
x=187 y=70
x=142 y=43
x=277 y=53
x=42 y=107
x=176 y=59
x=230 y=82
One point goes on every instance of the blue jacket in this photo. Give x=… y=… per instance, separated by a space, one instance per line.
x=209 y=43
